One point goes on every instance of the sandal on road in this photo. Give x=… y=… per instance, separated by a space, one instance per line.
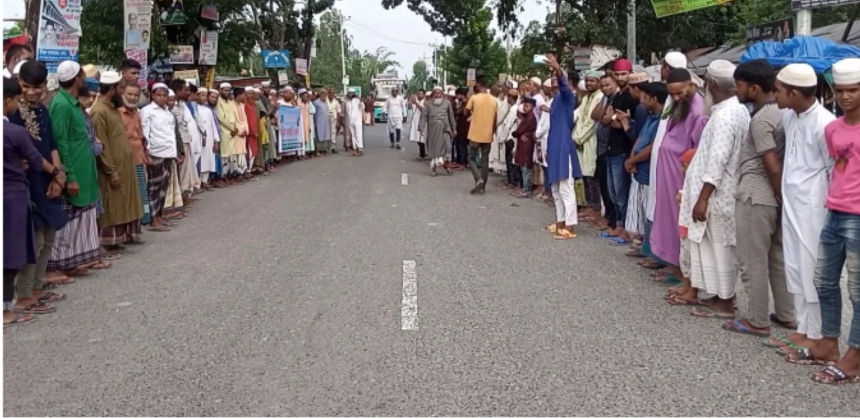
x=552 y=228
x=618 y=241
x=101 y=265
x=605 y=235
x=20 y=319
x=737 y=326
x=633 y=253
x=708 y=313
x=777 y=342
x=52 y=297
x=805 y=357
x=564 y=234
x=65 y=280
x=159 y=229
x=788 y=325
x=36 y=308
x=112 y=256
x=834 y=375
x=676 y=300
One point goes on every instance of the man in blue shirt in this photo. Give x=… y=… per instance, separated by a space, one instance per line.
x=45 y=191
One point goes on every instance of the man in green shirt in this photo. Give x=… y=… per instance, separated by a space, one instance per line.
x=77 y=244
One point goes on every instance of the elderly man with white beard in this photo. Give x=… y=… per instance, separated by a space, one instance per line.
x=130 y=113
x=708 y=200
x=437 y=127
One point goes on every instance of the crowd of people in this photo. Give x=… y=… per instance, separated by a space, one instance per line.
x=92 y=158
x=744 y=176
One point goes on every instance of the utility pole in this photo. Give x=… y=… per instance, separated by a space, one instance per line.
x=631 y=32
x=804 y=22
x=444 y=71
x=343 y=52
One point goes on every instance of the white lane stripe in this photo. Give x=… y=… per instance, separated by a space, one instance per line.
x=404 y=179
x=409 y=304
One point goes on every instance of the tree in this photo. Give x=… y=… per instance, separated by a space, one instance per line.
x=522 y=58
x=420 y=77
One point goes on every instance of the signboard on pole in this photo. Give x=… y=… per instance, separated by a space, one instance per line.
x=282 y=77
x=470 y=77
x=275 y=58
x=777 y=31
x=302 y=66
x=290 y=137
x=818 y=4
x=182 y=54
x=582 y=58
x=190 y=76
x=663 y=8
x=208 y=48
x=59 y=30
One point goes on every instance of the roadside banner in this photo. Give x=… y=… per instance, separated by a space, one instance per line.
x=208 y=48
x=777 y=31
x=289 y=129
x=138 y=24
x=470 y=77
x=302 y=66
x=182 y=54
x=818 y=4
x=282 y=77
x=140 y=55
x=275 y=58
x=59 y=30
x=663 y=8
x=190 y=76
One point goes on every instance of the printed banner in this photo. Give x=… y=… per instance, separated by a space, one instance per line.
x=282 y=77
x=302 y=66
x=817 y=4
x=470 y=77
x=182 y=54
x=173 y=15
x=777 y=31
x=210 y=12
x=208 y=48
x=190 y=76
x=138 y=24
x=59 y=30
x=663 y=8
x=140 y=55
x=275 y=58
x=289 y=129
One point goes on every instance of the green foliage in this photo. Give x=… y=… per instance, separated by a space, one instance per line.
x=420 y=77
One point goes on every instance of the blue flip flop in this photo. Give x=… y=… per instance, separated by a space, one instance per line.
x=605 y=235
x=617 y=241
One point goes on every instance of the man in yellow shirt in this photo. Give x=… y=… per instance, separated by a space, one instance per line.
x=481 y=110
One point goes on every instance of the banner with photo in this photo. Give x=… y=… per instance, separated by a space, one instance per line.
x=59 y=30
x=138 y=24
x=190 y=76
x=289 y=130
x=141 y=56
x=182 y=54
x=208 y=48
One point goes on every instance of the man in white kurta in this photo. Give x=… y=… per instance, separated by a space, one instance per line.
x=209 y=134
x=334 y=114
x=395 y=106
x=708 y=199
x=415 y=134
x=805 y=181
x=585 y=138
x=353 y=109
x=497 y=149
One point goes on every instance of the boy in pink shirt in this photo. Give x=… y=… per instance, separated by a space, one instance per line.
x=840 y=238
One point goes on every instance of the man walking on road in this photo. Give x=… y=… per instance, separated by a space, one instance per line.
x=481 y=109
x=395 y=106
x=352 y=118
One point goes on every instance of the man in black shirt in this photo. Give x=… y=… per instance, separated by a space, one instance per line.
x=620 y=145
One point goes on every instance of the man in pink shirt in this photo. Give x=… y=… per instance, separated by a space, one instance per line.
x=840 y=238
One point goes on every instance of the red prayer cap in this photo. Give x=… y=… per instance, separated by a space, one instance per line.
x=622 y=64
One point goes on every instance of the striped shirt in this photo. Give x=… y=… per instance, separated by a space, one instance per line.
x=766 y=134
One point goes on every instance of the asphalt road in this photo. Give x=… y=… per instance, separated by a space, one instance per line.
x=284 y=297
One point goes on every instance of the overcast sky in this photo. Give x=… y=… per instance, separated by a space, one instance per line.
x=371 y=26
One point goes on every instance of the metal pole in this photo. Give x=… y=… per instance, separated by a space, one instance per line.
x=343 y=53
x=631 y=32
x=850 y=24
x=444 y=71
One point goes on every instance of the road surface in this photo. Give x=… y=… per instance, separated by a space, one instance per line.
x=285 y=297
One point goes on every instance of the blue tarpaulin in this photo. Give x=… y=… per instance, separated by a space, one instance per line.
x=819 y=53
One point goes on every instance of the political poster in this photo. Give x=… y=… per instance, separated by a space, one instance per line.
x=182 y=54
x=282 y=77
x=210 y=12
x=302 y=66
x=275 y=58
x=174 y=15
x=208 y=48
x=190 y=76
x=140 y=55
x=138 y=24
x=289 y=129
x=663 y=8
x=470 y=77
x=59 y=30
x=777 y=31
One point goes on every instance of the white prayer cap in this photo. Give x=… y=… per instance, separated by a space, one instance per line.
x=723 y=69
x=350 y=90
x=513 y=84
x=157 y=86
x=302 y=91
x=536 y=81
x=257 y=90
x=266 y=83
x=90 y=70
x=798 y=75
x=581 y=85
x=171 y=93
x=225 y=85
x=452 y=92
x=439 y=88
x=547 y=83
x=846 y=71
x=110 y=77
x=17 y=69
x=68 y=70
x=676 y=59
x=249 y=89
x=202 y=90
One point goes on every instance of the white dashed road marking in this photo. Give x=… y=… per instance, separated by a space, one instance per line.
x=409 y=305
x=404 y=179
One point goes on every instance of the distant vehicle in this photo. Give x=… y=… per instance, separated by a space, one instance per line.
x=382 y=85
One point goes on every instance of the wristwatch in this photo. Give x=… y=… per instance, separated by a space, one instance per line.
x=55 y=172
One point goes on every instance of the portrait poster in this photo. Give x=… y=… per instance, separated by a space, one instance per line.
x=289 y=130
x=59 y=30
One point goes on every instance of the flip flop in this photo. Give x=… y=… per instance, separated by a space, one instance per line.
x=785 y=350
x=678 y=301
x=788 y=325
x=101 y=265
x=708 y=313
x=112 y=256
x=784 y=341
x=637 y=254
x=834 y=375
x=52 y=297
x=21 y=319
x=617 y=241
x=605 y=235
x=159 y=229
x=805 y=357
x=36 y=308
x=737 y=326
